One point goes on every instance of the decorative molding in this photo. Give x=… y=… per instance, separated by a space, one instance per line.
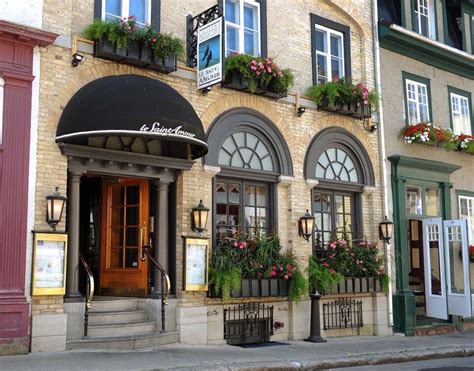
x=211 y=170
x=369 y=189
x=420 y=163
x=28 y=35
x=286 y=180
x=311 y=183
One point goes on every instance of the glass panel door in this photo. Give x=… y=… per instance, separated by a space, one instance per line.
x=457 y=268
x=433 y=252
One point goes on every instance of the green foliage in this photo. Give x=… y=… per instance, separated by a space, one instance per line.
x=320 y=277
x=260 y=73
x=385 y=281
x=261 y=258
x=224 y=276
x=122 y=32
x=298 y=287
x=342 y=91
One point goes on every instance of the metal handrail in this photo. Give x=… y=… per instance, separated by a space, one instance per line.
x=89 y=292
x=165 y=293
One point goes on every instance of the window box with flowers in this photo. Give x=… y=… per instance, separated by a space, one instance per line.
x=254 y=268
x=432 y=135
x=348 y=268
x=256 y=75
x=343 y=97
x=123 y=41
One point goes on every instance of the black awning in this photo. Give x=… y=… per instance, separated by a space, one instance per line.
x=131 y=106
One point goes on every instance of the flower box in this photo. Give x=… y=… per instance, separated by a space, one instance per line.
x=164 y=65
x=258 y=288
x=352 y=108
x=235 y=81
x=356 y=285
x=104 y=48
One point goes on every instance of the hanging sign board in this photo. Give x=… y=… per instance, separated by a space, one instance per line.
x=209 y=54
x=49 y=263
x=196 y=256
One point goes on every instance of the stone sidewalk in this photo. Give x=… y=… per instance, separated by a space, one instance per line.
x=337 y=352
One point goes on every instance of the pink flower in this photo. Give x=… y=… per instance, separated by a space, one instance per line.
x=153 y=40
x=253 y=68
x=131 y=18
x=236 y=244
x=280 y=74
x=269 y=69
x=343 y=242
x=325 y=264
x=257 y=73
x=254 y=62
x=285 y=277
x=363 y=243
x=128 y=28
x=261 y=66
x=268 y=60
x=273 y=274
x=332 y=245
x=332 y=270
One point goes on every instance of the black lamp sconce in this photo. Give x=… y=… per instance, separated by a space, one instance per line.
x=76 y=59
x=386 y=230
x=306 y=225
x=199 y=216
x=300 y=111
x=54 y=208
x=206 y=90
x=368 y=126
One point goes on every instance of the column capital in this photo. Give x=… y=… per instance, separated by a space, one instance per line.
x=161 y=184
x=75 y=176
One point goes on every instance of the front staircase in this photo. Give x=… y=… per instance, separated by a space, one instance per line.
x=122 y=324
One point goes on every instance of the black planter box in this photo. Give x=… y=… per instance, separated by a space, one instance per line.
x=234 y=80
x=352 y=108
x=356 y=285
x=258 y=288
x=103 y=48
x=164 y=65
x=133 y=53
x=360 y=110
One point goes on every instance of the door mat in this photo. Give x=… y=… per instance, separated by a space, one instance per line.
x=262 y=345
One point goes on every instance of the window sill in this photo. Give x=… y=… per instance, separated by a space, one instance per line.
x=235 y=81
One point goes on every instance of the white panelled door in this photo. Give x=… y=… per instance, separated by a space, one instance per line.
x=457 y=267
x=435 y=282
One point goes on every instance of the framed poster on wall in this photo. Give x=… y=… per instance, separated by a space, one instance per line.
x=196 y=264
x=49 y=263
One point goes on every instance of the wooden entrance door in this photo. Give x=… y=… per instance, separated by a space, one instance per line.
x=125 y=213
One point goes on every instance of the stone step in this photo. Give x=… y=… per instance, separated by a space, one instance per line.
x=116 y=305
x=435 y=330
x=142 y=341
x=108 y=318
x=122 y=329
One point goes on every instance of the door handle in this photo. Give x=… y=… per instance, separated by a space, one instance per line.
x=142 y=243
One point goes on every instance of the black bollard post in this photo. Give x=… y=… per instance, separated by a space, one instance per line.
x=315 y=330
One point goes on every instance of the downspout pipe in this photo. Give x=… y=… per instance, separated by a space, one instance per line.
x=383 y=156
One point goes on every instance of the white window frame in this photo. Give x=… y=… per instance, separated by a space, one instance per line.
x=459 y=97
x=2 y=89
x=125 y=9
x=469 y=217
x=328 y=56
x=416 y=100
x=426 y=10
x=241 y=28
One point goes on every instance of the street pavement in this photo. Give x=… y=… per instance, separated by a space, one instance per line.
x=292 y=355
x=445 y=364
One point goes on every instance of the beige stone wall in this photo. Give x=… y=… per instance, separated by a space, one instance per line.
x=289 y=41
x=392 y=65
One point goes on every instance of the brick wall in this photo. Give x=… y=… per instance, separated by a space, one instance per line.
x=288 y=40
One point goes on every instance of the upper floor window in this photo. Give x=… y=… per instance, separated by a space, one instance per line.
x=329 y=54
x=424 y=20
x=242 y=22
x=331 y=50
x=418 y=96
x=466 y=211
x=460 y=111
x=116 y=9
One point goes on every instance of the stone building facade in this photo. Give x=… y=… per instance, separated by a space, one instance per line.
x=176 y=186
x=426 y=182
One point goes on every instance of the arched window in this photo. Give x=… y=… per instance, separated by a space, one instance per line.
x=252 y=154
x=342 y=167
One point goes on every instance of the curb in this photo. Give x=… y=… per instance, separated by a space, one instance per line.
x=350 y=361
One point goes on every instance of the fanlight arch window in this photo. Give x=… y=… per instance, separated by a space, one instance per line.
x=336 y=164
x=245 y=150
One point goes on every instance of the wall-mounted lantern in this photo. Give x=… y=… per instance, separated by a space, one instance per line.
x=199 y=217
x=386 y=230
x=306 y=225
x=54 y=208
x=76 y=59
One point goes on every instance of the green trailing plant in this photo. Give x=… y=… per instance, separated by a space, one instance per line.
x=320 y=277
x=224 y=276
x=124 y=31
x=260 y=73
x=298 y=286
x=343 y=91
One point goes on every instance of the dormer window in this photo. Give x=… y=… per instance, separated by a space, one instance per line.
x=424 y=20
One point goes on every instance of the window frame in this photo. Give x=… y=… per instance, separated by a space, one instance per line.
x=272 y=208
x=434 y=16
x=153 y=18
x=262 y=20
x=406 y=76
x=470 y=196
x=463 y=94
x=328 y=55
x=423 y=186
x=357 y=216
x=346 y=47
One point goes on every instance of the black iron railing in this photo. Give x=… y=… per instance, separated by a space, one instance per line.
x=248 y=323
x=89 y=293
x=342 y=313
